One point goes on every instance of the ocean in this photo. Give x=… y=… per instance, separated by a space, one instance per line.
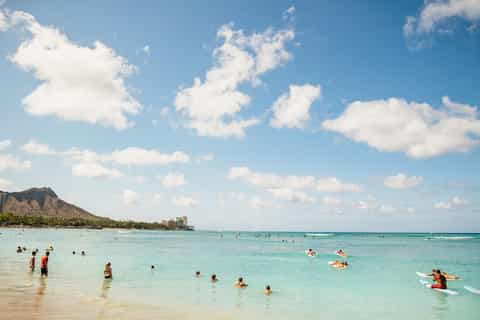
x=380 y=282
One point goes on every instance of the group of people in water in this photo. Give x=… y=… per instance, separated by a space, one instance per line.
x=335 y=264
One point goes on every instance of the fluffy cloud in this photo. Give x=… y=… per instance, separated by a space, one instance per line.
x=185 y=201
x=292 y=109
x=9 y=162
x=332 y=184
x=94 y=170
x=402 y=181
x=205 y=157
x=139 y=156
x=78 y=83
x=331 y=201
x=455 y=202
x=387 y=209
x=417 y=129
x=459 y=108
x=5 y=184
x=36 y=148
x=173 y=180
x=130 y=197
x=4 y=23
x=435 y=13
x=212 y=106
x=287 y=194
x=5 y=144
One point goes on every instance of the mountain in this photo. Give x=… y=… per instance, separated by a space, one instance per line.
x=41 y=202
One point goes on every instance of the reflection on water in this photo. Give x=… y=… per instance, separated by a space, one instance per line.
x=440 y=306
x=107 y=283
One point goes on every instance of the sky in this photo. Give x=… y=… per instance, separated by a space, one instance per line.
x=247 y=115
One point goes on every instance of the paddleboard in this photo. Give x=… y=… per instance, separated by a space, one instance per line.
x=424 y=275
x=472 y=289
x=429 y=286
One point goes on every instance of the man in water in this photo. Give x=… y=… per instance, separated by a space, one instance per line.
x=44 y=265
x=240 y=283
x=311 y=253
x=19 y=249
x=268 y=290
x=213 y=278
x=83 y=253
x=440 y=280
x=197 y=274
x=31 y=263
x=107 y=272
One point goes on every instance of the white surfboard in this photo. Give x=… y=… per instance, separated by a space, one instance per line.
x=447 y=291
x=472 y=289
x=422 y=275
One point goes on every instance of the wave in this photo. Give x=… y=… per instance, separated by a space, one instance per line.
x=450 y=238
x=319 y=234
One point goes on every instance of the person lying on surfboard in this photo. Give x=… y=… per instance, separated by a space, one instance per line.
x=339 y=264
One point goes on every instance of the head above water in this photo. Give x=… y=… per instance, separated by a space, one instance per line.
x=214 y=276
x=34 y=253
x=268 y=287
x=47 y=253
x=240 y=279
x=197 y=273
x=152 y=267
x=109 y=264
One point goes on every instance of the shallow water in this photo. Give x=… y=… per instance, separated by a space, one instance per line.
x=379 y=284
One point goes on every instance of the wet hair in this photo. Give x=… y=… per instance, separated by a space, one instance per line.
x=214 y=277
x=34 y=253
x=345 y=263
x=109 y=264
x=47 y=253
x=73 y=252
x=240 y=279
x=197 y=273
x=83 y=252
x=438 y=271
x=268 y=287
x=152 y=267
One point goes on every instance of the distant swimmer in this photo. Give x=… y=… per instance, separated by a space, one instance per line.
x=50 y=248
x=73 y=252
x=83 y=253
x=197 y=274
x=338 y=264
x=19 y=249
x=152 y=267
x=213 y=278
x=31 y=262
x=311 y=253
x=341 y=253
x=107 y=272
x=268 y=290
x=44 y=265
x=240 y=283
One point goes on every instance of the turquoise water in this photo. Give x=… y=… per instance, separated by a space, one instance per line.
x=379 y=284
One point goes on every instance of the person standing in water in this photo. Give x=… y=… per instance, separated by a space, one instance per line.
x=440 y=280
x=214 y=278
x=268 y=290
x=31 y=263
x=44 y=265
x=107 y=272
x=240 y=283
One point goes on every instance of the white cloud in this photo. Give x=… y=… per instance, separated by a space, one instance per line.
x=157 y=196
x=292 y=109
x=4 y=23
x=416 y=129
x=36 y=148
x=273 y=181
x=289 y=13
x=437 y=12
x=173 y=180
x=206 y=157
x=5 y=184
x=332 y=184
x=5 y=144
x=331 y=201
x=455 y=202
x=402 y=181
x=130 y=197
x=212 y=106
x=146 y=49
x=78 y=83
x=94 y=170
x=140 y=179
x=459 y=108
x=291 y=195
x=258 y=203
x=140 y=156
x=9 y=162
x=164 y=111
x=185 y=201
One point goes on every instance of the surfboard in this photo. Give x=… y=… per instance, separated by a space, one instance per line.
x=447 y=291
x=332 y=264
x=424 y=275
x=472 y=289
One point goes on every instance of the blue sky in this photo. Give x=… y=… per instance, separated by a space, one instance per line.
x=316 y=115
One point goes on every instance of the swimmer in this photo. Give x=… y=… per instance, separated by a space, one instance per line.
x=213 y=278
x=19 y=249
x=268 y=290
x=83 y=253
x=107 y=273
x=31 y=263
x=446 y=275
x=44 y=265
x=341 y=253
x=73 y=252
x=240 y=283
x=439 y=279
x=311 y=253
x=152 y=267
x=197 y=274
x=339 y=264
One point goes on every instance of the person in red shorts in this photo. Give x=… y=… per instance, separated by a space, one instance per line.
x=440 y=280
x=44 y=265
